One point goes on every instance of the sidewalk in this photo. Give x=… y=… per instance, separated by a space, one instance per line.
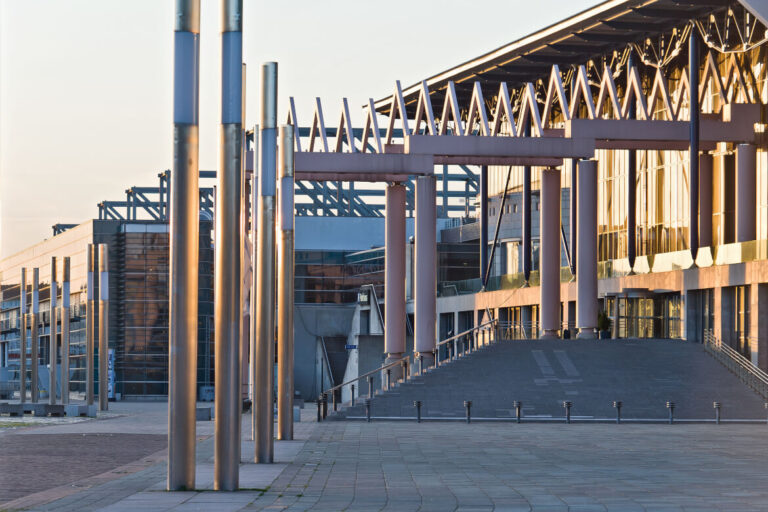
x=441 y=466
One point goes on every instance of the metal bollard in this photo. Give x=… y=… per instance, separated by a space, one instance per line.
x=617 y=405
x=368 y=409
x=370 y=386
x=405 y=369
x=325 y=405
x=671 y=407
x=518 y=409
x=417 y=404
x=468 y=406
x=334 y=399
x=421 y=364
x=353 y=395
x=389 y=378
x=766 y=406
x=567 y=404
x=319 y=408
x=717 y=406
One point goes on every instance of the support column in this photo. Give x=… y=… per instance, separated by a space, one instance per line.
x=631 y=185
x=263 y=346
x=90 y=322
x=64 y=315
x=227 y=280
x=573 y=217
x=35 y=337
x=394 y=277
x=586 y=280
x=425 y=296
x=254 y=265
x=285 y=288
x=483 y=213
x=705 y=200
x=103 y=327
x=746 y=192
x=184 y=198
x=527 y=246
x=52 y=345
x=23 y=337
x=549 y=251
x=693 y=155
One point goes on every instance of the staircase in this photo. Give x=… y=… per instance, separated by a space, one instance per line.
x=643 y=374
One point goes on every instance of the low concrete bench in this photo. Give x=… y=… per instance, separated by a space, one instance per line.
x=12 y=409
x=203 y=414
x=80 y=410
x=47 y=410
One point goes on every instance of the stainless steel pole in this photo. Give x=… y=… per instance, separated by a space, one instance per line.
x=90 y=323
x=254 y=272
x=52 y=345
x=285 y=262
x=184 y=249
x=103 y=326
x=64 y=315
x=425 y=291
x=23 y=337
x=264 y=343
x=227 y=283
x=35 y=340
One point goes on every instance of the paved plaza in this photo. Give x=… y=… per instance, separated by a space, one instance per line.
x=397 y=466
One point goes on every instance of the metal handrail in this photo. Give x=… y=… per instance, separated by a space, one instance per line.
x=368 y=374
x=462 y=334
x=750 y=374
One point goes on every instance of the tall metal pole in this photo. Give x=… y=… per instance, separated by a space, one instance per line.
x=573 y=215
x=425 y=291
x=263 y=346
x=184 y=249
x=52 y=345
x=90 y=322
x=527 y=226
x=394 y=279
x=693 y=155
x=483 y=213
x=254 y=271
x=227 y=283
x=64 y=315
x=23 y=336
x=35 y=340
x=103 y=326
x=285 y=262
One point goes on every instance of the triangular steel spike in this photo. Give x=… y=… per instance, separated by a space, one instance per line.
x=634 y=92
x=528 y=108
x=345 y=127
x=318 y=126
x=608 y=93
x=660 y=90
x=424 y=109
x=555 y=89
x=398 y=104
x=451 y=107
x=711 y=75
x=503 y=107
x=372 y=126
x=293 y=121
x=477 y=112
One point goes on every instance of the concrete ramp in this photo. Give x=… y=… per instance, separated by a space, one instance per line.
x=643 y=374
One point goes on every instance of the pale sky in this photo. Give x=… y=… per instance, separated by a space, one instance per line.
x=86 y=85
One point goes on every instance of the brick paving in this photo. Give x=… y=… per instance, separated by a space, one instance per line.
x=448 y=466
x=33 y=463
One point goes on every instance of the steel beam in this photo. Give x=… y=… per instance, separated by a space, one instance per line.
x=184 y=199
x=693 y=150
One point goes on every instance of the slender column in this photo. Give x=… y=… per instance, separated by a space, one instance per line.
x=35 y=338
x=705 y=199
x=64 y=315
x=746 y=192
x=586 y=281
x=631 y=187
x=574 y=215
x=254 y=271
x=90 y=322
x=394 y=277
x=445 y=190
x=263 y=345
x=184 y=251
x=227 y=283
x=549 y=252
x=693 y=188
x=285 y=288
x=103 y=327
x=52 y=345
x=23 y=336
x=425 y=293
x=483 y=221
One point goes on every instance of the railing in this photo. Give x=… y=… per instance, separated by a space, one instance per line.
x=465 y=342
x=739 y=365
